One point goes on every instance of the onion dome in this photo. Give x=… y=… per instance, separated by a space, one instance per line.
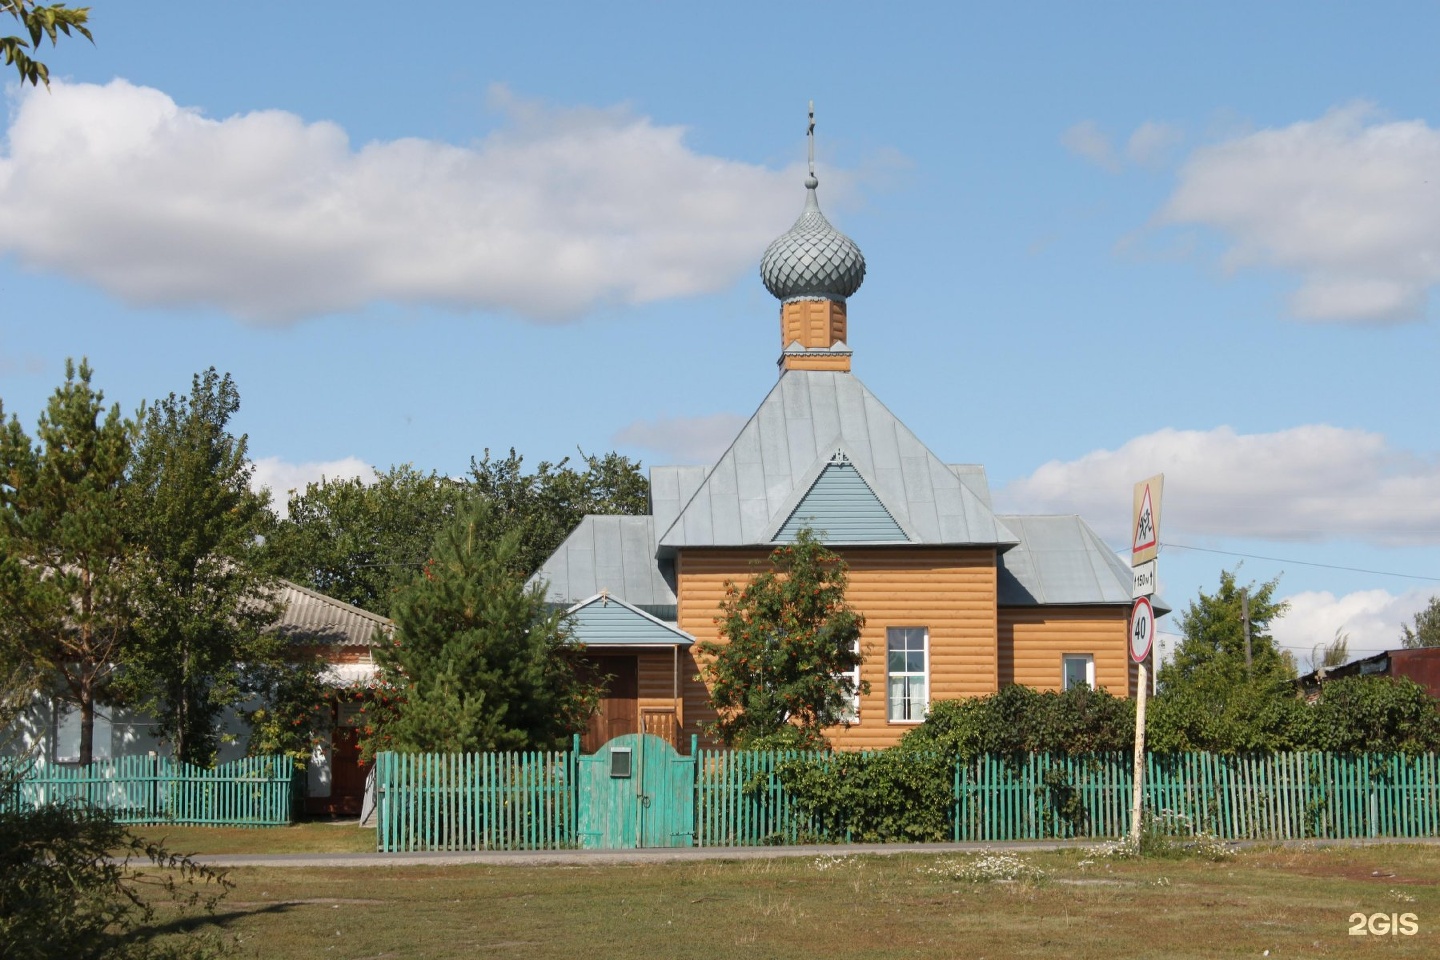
x=812 y=260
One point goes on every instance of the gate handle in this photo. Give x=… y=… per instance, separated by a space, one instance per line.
x=645 y=799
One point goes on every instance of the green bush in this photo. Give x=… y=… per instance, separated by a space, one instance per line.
x=1373 y=715
x=892 y=795
x=71 y=888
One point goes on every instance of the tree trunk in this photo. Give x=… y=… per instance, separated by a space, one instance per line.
x=87 y=724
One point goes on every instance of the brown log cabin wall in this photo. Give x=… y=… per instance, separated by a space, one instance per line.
x=1033 y=640
x=950 y=591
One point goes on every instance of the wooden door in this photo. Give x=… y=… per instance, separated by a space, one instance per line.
x=618 y=712
x=347 y=773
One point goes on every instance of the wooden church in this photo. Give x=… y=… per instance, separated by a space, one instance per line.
x=958 y=601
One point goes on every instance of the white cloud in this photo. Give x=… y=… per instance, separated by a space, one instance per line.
x=1151 y=143
x=283 y=478
x=1370 y=618
x=1348 y=203
x=1311 y=483
x=684 y=439
x=274 y=219
x=1085 y=139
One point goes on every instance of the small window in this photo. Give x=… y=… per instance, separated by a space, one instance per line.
x=907 y=673
x=851 y=711
x=619 y=763
x=1077 y=669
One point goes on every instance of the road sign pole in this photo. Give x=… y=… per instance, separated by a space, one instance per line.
x=1139 y=778
x=1144 y=549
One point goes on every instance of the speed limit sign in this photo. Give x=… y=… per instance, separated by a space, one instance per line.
x=1142 y=629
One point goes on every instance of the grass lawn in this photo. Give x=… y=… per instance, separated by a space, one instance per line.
x=1291 y=903
x=311 y=836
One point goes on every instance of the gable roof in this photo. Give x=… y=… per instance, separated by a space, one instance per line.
x=807 y=417
x=308 y=616
x=841 y=508
x=614 y=554
x=608 y=621
x=1060 y=560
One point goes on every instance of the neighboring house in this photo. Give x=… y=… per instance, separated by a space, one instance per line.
x=958 y=600
x=341 y=635
x=1421 y=664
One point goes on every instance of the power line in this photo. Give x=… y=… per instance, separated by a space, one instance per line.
x=1303 y=563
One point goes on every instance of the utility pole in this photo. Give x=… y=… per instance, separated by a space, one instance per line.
x=1245 y=619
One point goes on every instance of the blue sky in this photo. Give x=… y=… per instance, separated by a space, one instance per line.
x=1104 y=241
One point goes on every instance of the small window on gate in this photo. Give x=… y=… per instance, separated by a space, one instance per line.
x=619 y=763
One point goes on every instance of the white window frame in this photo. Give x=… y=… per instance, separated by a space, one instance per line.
x=893 y=715
x=1068 y=658
x=850 y=716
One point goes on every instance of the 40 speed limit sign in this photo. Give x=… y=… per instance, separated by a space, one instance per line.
x=1142 y=629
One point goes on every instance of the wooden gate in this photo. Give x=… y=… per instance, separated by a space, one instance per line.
x=636 y=791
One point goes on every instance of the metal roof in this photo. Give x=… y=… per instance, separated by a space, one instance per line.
x=307 y=616
x=607 y=621
x=973 y=476
x=801 y=424
x=609 y=553
x=1060 y=560
x=670 y=489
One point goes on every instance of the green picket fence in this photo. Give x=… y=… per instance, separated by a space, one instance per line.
x=739 y=801
x=1280 y=796
x=529 y=801
x=254 y=791
x=474 y=801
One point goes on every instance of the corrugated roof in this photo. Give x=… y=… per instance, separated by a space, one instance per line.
x=609 y=553
x=802 y=423
x=307 y=616
x=1060 y=560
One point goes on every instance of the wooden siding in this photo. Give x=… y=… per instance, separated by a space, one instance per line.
x=813 y=323
x=1033 y=640
x=950 y=591
x=842 y=508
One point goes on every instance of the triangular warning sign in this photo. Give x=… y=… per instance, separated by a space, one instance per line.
x=1147 y=533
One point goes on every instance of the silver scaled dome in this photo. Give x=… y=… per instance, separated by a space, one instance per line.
x=812 y=260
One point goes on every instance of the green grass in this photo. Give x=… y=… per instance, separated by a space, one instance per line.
x=312 y=836
x=1292 y=903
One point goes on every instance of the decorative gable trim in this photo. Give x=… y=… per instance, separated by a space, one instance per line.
x=838 y=501
x=604 y=620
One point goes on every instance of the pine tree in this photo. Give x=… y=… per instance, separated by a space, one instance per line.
x=788 y=642
x=478 y=659
x=201 y=609
x=65 y=600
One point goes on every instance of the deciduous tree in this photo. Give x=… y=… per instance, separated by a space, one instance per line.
x=39 y=21
x=544 y=506
x=788 y=643
x=201 y=608
x=361 y=541
x=1211 y=652
x=1426 y=632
